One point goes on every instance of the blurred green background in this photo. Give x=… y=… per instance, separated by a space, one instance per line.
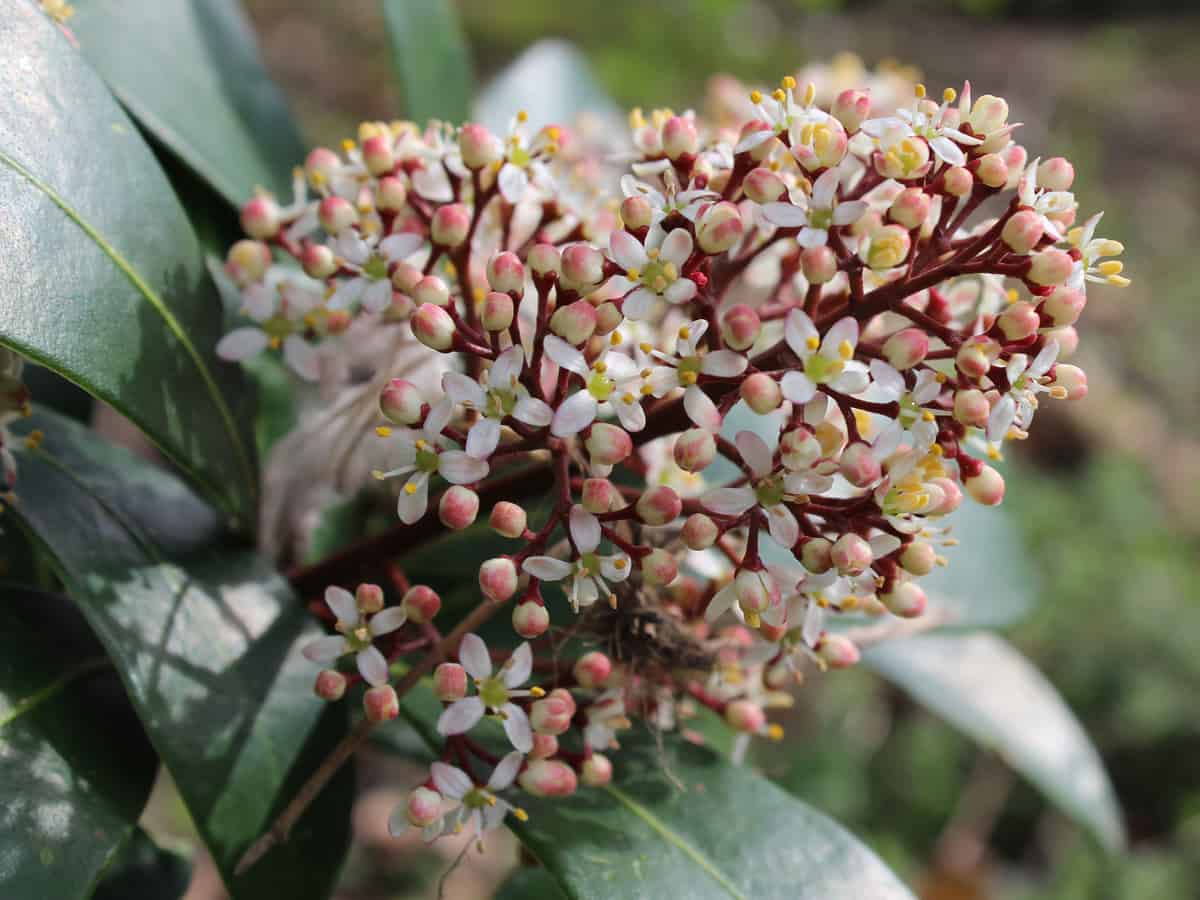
x=1106 y=493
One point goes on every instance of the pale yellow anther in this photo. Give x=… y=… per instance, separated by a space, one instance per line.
x=421 y=444
x=753 y=620
x=788 y=83
x=34 y=439
x=615 y=338
x=812 y=342
x=684 y=332
x=619 y=564
x=810 y=93
x=378 y=475
x=936 y=450
x=645 y=346
x=1118 y=281
x=537 y=692
x=645 y=390
x=926 y=416
x=1074 y=236
x=1106 y=247
x=522 y=116
x=410 y=488
x=520 y=814
x=919 y=90
x=1111 y=267
x=652 y=253
x=478 y=293
x=274 y=343
x=755 y=97
x=775 y=732
x=1058 y=392
x=688 y=378
x=348 y=145
x=1011 y=295
x=612 y=600
x=845 y=350
x=949 y=95
x=633 y=274
x=779 y=95
x=600 y=367
x=383 y=431
x=939 y=377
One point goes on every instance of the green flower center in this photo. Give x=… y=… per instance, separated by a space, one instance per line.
x=658 y=275
x=500 y=403
x=277 y=327
x=689 y=369
x=769 y=491
x=493 y=692
x=358 y=637
x=821 y=369
x=427 y=458
x=820 y=218
x=376 y=268
x=478 y=798
x=590 y=563
x=600 y=386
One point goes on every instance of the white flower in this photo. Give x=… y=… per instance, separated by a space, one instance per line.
x=523 y=162
x=783 y=114
x=357 y=633
x=605 y=717
x=914 y=425
x=936 y=127
x=817 y=214
x=371 y=258
x=476 y=809
x=494 y=693
x=687 y=203
x=281 y=305
x=1092 y=249
x=685 y=367
x=590 y=574
x=1019 y=403
x=652 y=270
x=608 y=380
x=1047 y=204
x=500 y=395
x=829 y=361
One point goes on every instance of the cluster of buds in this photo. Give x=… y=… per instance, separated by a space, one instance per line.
x=14 y=404
x=886 y=295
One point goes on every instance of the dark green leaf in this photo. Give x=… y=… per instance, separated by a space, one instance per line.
x=982 y=685
x=146 y=872
x=430 y=55
x=103 y=279
x=206 y=638
x=190 y=73
x=75 y=766
x=530 y=883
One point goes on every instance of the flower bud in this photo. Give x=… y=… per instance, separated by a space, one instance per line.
x=450 y=682
x=498 y=578
x=918 y=558
x=330 y=685
x=530 y=619
x=971 y=407
x=597 y=770
x=582 y=267
x=544 y=746
x=599 y=495
x=431 y=289
x=753 y=591
x=719 y=228
x=740 y=327
x=972 y=361
x=950 y=500
x=695 y=449
x=659 y=505
x=636 y=212
x=906 y=158
x=508 y=519
x=987 y=487
x=574 y=323
x=817 y=555
x=458 y=507
x=544 y=259
x=608 y=444
x=1064 y=306
x=381 y=703
x=318 y=261
x=377 y=154
x=400 y=402
x=450 y=225
x=1022 y=231
x=819 y=264
x=433 y=327
x=830 y=437
x=799 y=448
x=745 y=716
x=497 y=313
x=910 y=209
x=699 y=532
x=1018 y=321
x=837 y=651
x=1050 y=267
x=548 y=778
x=906 y=600
x=761 y=393
x=1067 y=338
x=659 y=567
x=1056 y=174
x=478 y=146
x=958 y=181
x=592 y=669
x=423 y=808
x=551 y=715
x=506 y=273
x=320 y=166
x=886 y=248
x=422 y=603
x=851 y=554
x=248 y=261
x=369 y=598
x=906 y=348
x=260 y=217
x=988 y=114
x=679 y=137
x=336 y=214
x=1071 y=379
x=859 y=465
x=391 y=194
x=763 y=186
x=827 y=147
x=992 y=171
x=851 y=108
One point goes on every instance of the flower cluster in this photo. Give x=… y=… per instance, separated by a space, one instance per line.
x=758 y=367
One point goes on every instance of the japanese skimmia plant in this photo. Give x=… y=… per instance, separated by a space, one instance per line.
x=702 y=399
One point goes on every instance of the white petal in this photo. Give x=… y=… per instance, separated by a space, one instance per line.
x=845 y=329
x=947 y=151
x=508 y=365
x=797 y=387
x=825 y=189
x=681 y=290
x=1001 y=418
x=563 y=354
x=638 y=305
x=798 y=329
x=677 y=248
x=701 y=409
x=506 y=771
x=411 y=507
x=784 y=528
x=513 y=181
x=753 y=139
x=585 y=529
x=450 y=781
x=850 y=212
x=258 y=302
x=854 y=380
x=720 y=603
x=242 y=343
x=533 y=411
x=547 y=568
x=342 y=604
x=576 y=414
x=325 y=650
x=461 y=389
x=814 y=623
x=724 y=363
x=785 y=215
x=458 y=467
x=438 y=418
x=627 y=251
x=755 y=452
x=883 y=544
x=372 y=666
x=517 y=669
x=378 y=296
x=729 y=501
x=483 y=438
x=302 y=357
x=888 y=440
x=516 y=726
x=888 y=380
x=398 y=246
x=473 y=654
x=348 y=294
x=388 y=620
x=812 y=237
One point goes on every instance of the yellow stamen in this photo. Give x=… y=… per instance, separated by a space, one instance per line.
x=688 y=378
x=383 y=431
x=615 y=338
x=685 y=332
x=34 y=439
x=633 y=274
x=812 y=343
x=520 y=814
x=348 y=145
x=1111 y=267
x=788 y=83
x=522 y=116
x=410 y=488
x=775 y=732
x=810 y=93
x=755 y=97
x=845 y=350
x=779 y=95
x=919 y=90
x=537 y=692
x=612 y=600
x=949 y=95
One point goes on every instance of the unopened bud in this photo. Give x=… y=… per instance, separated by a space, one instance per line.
x=636 y=212
x=1018 y=321
x=988 y=113
x=659 y=567
x=544 y=746
x=508 y=519
x=851 y=108
x=549 y=778
x=369 y=598
x=450 y=225
x=506 y=273
x=478 y=146
x=910 y=209
x=972 y=361
x=381 y=703
x=422 y=603
x=987 y=487
x=423 y=808
x=498 y=578
x=659 y=505
x=597 y=770
x=851 y=554
x=817 y=555
x=1050 y=267
x=761 y=393
x=1071 y=379
x=260 y=217
x=582 y=267
x=699 y=532
x=592 y=669
x=599 y=495
x=906 y=600
x=608 y=444
x=450 y=682
x=992 y=171
x=906 y=348
x=497 y=313
x=574 y=323
x=318 y=261
x=695 y=449
x=247 y=261
x=330 y=685
x=377 y=154
x=859 y=465
x=1022 y=231
x=336 y=214
x=958 y=181
x=763 y=186
x=551 y=715
x=431 y=289
x=719 y=228
x=740 y=327
x=320 y=166
x=458 y=507
x=679 y=137
x=918 y=558
x=1056 y=174
x=433 y=327
x=971 y=407
x=391 y=194
x=400 y=402
x=838 y=651
x=544 y=259
x=753 y=591
x=819 y=264
x=1064 y=306
x=951 y=497
x=530 y=619
x=745 y=716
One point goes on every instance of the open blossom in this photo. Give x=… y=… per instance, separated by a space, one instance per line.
x=591 y=575
x=816 y=215
x=357 y=633
x=663 y=203
x=769 y=490
x=935 y=124
x=370 y=258
x=473 y=809
x=653 y=270
x=823 y=360
x=685 y=366
x=612 y=381
x=500 y=395
x=494 y=693
x=1019 y=403
x=283 y=307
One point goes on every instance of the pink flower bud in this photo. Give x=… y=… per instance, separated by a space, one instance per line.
x=530 y=619
x=551 y=715
x=406 y=277
x=608 y=444
x=918 y=558
x=260 y=217
x=597 y=770
x=1056 y=174
x=1014 y=155
x=548 y=778
x=659 y=505
x=906 y=348
x=1067 y=338
x=992 y=171
x=852 y=108
x=336 y=214
x=987 y=487
x=1022 y=231
x=391 y=194
x=719 y=228
x=450 y=225
x=679 y=137
x=608 y=318
x=422 y=603
x=1018 y=321
x=859 y=465
x=753 y=591
x=320 y=166
x=506 y=273
x=433 y=327
x=423 y=808
x=972 y=361
x=478 y=146
x=763 y=186
x=592 y=669
x=377 y=154
x=450 y=682
x=958 y=181
x=659 y=567
x=740 y=327
x=695 y=449
x=318 y=261
x=400 y=402
x=544 y=746
x=837 y=651
x=817 y=555
x=1071 y=379
x=971 y=407
x=745 y=716
x=799 y=448
x=699 y=532
x=819 y=264
x=498 y=578
x=582 y=266
x=381 y=703
x=330 y=685
x=508 y=519
x=950 y=500
x=599 y=495
x=247 y=262
x=906 y=600
x=431 y=289
x=574 y=323
x=1064 y=306
x=497 y=313
x=829 y=143
x=851 y=554
x=544 y=259
x=636 y=212
x=988 y=113
x=761 y=393
x=910 y=209
x=369 y=598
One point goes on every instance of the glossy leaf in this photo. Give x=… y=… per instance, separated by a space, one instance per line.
x=429 y=52
x=983 y=686
x=191 y=74
x=529 y=883
x=93 y=292
x=206 y=638
x=75 y=767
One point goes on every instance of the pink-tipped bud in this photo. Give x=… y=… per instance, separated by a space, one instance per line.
x=423 y=808
x=699 y=532
x=838 y=651
x=910 y=209
x=608 y=318
x=582 y=267
x=336 y=214
x=391 y=194
x=918 y=558
x=1022 y=231
x=247 y=262
x=761 y=393
x=1067 y=338
x=400 y=402
x=549 y=778
x=1064 y=306
x=992 y=171
x=817 y=555
x=851 y=554
x=318 y=261
x=695 y=449
x=859 y=465
x=971 y=407
x=819 y=264
x=972 y=361
x=987 y=487
x=906 y=348
x=659 y=505
x=508 y=519
x=799 y=448
x=574 y=323
x=597 y=770
x=1056 y=174
x=636 y=212
x=330 y=685
x=906 y=600
x=369 y=598
x=506 y=273
x=377 y=154
x=988 y=113
x=431 y=289
x=320 y=166
x=753 y=591
x=745 y=716
x=450 y=225
x=740 y=327
x=951 y=497
x=679 y=137
x=530 y=619
x=498 y=578
x=659 y=567
x=450 y=682
x=763 y=186
x=478 y=146
x=422 y=603
x=1014 y=155
x=433 y=327
x=593 y=669
x=958 y=181
x=608 y=444
x=260 y=217
x=544 y=746
x=1018 y=321
x=599 y=495
x=852 y=108
x=1071 y=379
x=544 y=259
x=551 y=715
x=497 y=312
x=719 y=228
x=381 y=703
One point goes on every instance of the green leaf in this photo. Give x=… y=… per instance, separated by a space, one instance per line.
x=75 y=767
x=191 y=74
x=430 y=55
x=206 y=638
x=529 y=883
x=983 y=686
x=103 y=279
x=728 y=833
